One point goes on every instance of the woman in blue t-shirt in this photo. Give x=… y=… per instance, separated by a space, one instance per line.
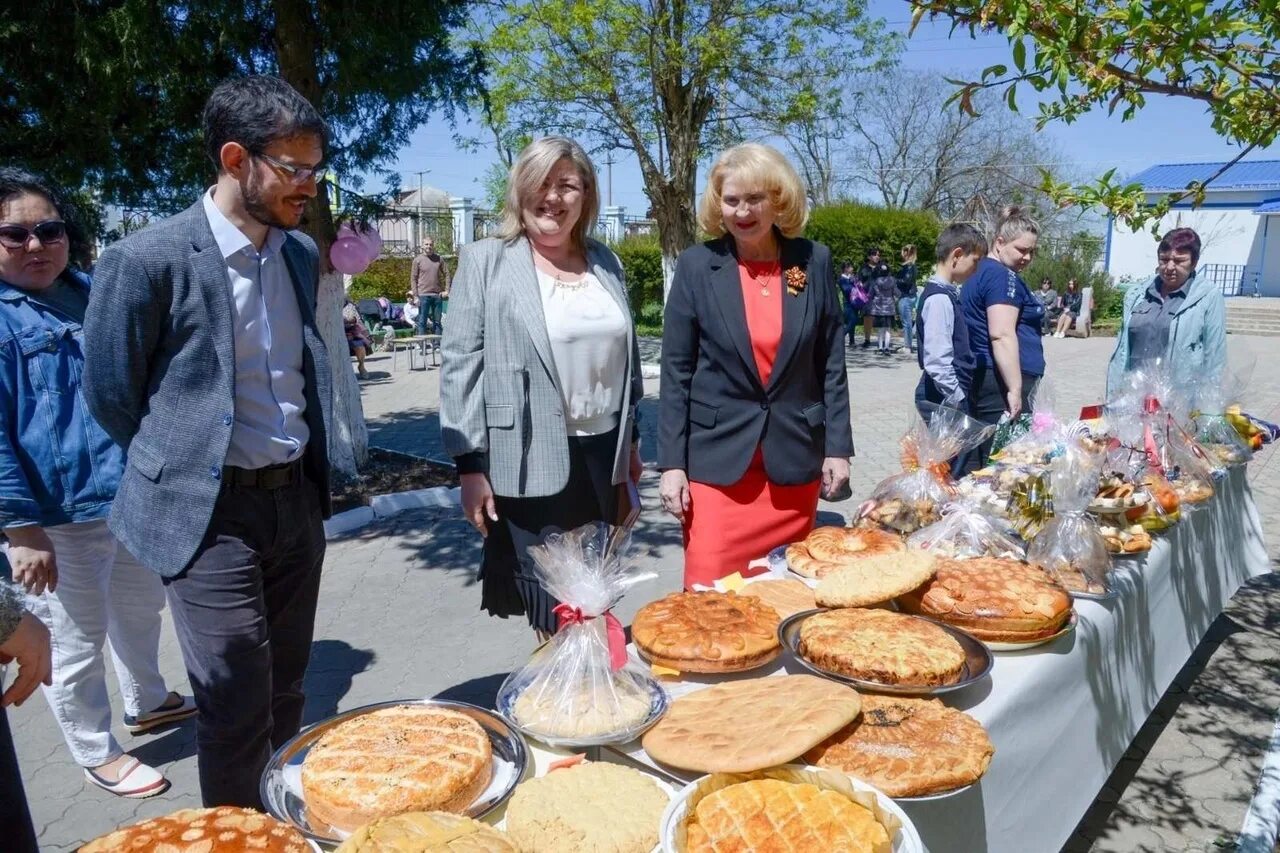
x=1004 y=319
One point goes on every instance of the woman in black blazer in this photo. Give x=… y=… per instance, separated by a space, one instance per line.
x=754 y=410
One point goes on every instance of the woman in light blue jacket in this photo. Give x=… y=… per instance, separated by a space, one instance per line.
x=1177 y=320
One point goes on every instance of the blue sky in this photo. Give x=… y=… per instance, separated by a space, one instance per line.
x=1168 y=130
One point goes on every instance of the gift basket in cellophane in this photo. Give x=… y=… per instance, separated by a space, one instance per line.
x=967 y=529
x=580 y=688
x=913 y=498
x=1134 y=499
x=1070 y=546
x=1216 y=402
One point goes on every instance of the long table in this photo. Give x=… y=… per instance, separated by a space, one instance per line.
x=1062 y=715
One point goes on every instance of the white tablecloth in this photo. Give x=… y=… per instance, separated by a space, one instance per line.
x=1062 y=715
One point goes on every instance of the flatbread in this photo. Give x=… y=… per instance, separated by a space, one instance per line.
x=908 y=747
x=226 y=829
x=707 y=632
x=742 y=726
x=882 y=647
x=876 y=579
x=594 y=806
x=788 y=596
x=428 y=832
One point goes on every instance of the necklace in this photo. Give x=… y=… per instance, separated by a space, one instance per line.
x=569 y=285
x=763 y=278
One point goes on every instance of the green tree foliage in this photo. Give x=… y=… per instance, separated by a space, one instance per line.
x=851 y=230
x=641 y=258
x=1076 y=257
x=1081 y=55
x=669 y=80
x=387 y=277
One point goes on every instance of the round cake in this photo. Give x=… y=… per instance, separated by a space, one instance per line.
x=875 y=580
x=882 y=647
x=394 y=760
x=994 y=599
x=438 y=832
x=827 y=549
x=908 y=747
x=588 y=715
x=593 y=806
x=226 y=829
x=707 y=632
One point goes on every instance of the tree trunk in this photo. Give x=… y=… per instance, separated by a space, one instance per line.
x=296 y=50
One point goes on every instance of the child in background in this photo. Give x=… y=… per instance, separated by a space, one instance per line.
x=942 y=339
x=907 y=294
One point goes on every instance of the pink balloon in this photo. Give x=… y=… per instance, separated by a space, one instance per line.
x=345 y=230
x=349 y=255
x=373 y=241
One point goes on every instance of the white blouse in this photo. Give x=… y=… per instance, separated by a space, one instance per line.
x=588 y=333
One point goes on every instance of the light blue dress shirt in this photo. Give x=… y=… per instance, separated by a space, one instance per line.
x=269 y=428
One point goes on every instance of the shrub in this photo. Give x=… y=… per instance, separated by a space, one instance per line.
x=850 y=229
x=642 y=267
x=1077 y=257
x=387 y=277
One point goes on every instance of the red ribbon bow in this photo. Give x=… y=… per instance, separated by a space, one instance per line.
x=570 y=615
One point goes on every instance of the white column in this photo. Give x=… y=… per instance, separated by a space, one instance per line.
x=464 y=222
x=615 y=219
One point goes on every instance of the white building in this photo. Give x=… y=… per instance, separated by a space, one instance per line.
x=1238 y=224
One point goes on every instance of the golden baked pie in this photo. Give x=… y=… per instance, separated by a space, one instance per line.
x=402 y=759
x=829 y=548
x=882 y=646
x=707 y=632
x=788 y=596
x=226 y=829
x=428 y=832
x=773 y=815
x=742 y=726
x=874 y=580
x=993 y=599
x=908 y=747
x=590 y=807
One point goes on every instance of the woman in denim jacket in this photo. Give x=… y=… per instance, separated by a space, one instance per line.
x=58 y=474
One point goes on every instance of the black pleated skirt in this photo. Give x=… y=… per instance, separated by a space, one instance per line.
x=508 y=584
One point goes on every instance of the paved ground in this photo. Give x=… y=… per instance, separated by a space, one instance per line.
x=398 y=618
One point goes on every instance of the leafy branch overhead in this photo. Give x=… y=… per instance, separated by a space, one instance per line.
x=1082 y=55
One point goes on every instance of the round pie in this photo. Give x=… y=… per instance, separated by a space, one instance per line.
x=707 y=632
x=593 y=806
x=394 y=760
x=226 y=829
x=619 y=708
x=882 y=647
x=875 y=580
x=419 y=832
x=993 y=599
x=829 y=548
x=908 y=747
x=788 y=596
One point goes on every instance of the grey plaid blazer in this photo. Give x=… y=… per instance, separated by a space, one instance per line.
x=159 y=375
x=500 y=394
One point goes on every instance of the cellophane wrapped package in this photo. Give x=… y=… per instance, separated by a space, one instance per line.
x=967 y=530
x=580 y=688
x=1034 y=437
x=1070 y=546
x=914 y=498
x=1215 y=428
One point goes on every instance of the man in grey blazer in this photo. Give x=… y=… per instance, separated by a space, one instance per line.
x=204 y=361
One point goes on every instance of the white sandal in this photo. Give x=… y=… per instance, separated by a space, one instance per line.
x=137 y=781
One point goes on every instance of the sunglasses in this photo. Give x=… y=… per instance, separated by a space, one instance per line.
x=49 y=233
x=296 y=175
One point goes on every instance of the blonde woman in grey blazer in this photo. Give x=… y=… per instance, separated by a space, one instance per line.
x=541 y=375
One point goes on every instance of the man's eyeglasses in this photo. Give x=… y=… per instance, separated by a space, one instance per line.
x=49 y=233
x=297 y=175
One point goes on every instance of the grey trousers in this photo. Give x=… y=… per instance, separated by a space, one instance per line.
x=244 y=611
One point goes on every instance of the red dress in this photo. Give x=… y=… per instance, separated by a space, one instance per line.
x=729 y=526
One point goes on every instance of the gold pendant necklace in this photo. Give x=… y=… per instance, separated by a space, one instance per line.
x=764 y=285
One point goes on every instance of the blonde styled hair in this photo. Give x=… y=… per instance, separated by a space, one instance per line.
x=530 y=171
x=766 y=168
x=909 y=253
x=1014 y=221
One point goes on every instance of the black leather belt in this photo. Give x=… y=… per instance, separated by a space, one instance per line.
x=270 y=477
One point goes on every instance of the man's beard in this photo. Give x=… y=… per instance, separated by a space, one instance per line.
x=256 y=206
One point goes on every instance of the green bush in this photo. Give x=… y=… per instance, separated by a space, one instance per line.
x=642 y=267
x=850 y=229
x=387 y=277
x=1076 y=257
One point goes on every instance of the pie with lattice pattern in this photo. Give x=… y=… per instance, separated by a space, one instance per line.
x=707 y=632
x=827 y=549
x=908 y=747
x=226 y=829
x=882 y=646
x=993 y=598
x=875 y=580
x=773 y=815
x=395 y=760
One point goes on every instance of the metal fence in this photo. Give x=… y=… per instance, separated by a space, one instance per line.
x=1231 y=279
x=403 y=230
x=486 y=223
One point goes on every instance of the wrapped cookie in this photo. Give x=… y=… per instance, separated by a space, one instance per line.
x=967 y=530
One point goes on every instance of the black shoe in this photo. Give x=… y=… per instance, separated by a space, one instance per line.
x=866 y=344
